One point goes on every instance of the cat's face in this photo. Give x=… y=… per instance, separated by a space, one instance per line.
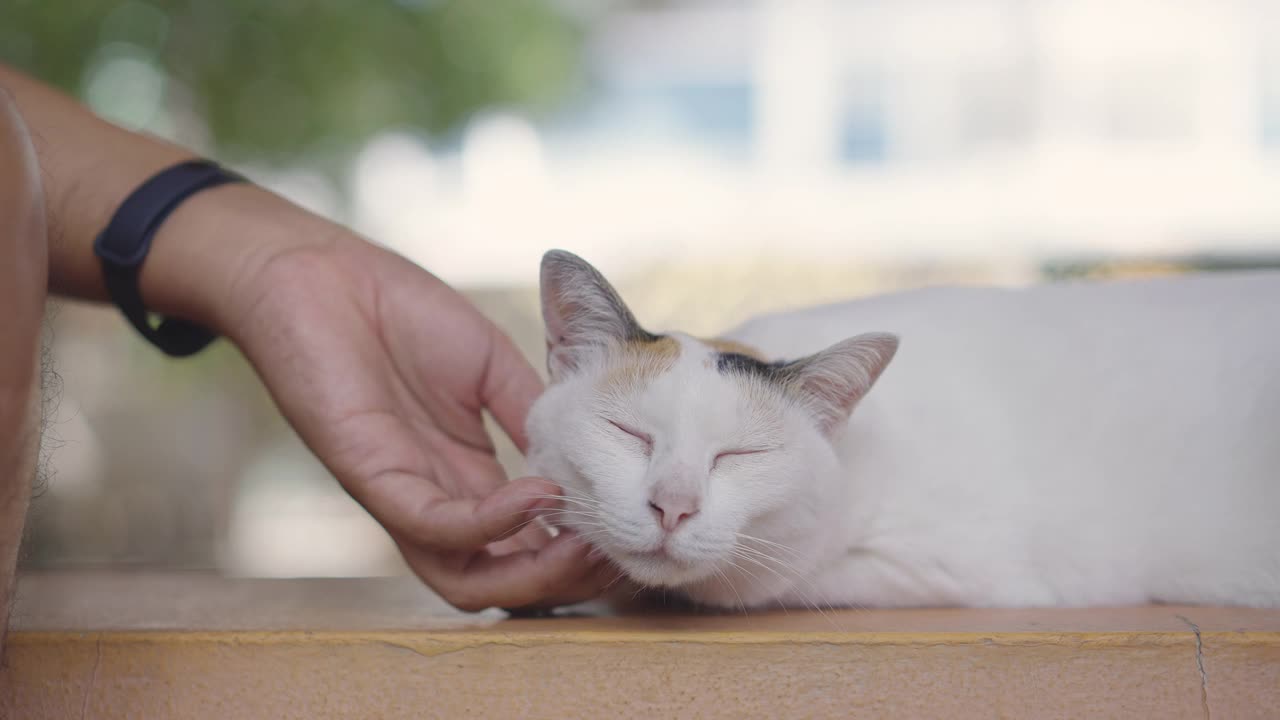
x=681 y=458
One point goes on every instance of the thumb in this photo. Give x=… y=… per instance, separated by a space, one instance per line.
x=471 y=523
x=509 y=387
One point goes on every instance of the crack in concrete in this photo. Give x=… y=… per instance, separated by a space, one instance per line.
x=409 y=648
x=1204 y=677
x=93 y=681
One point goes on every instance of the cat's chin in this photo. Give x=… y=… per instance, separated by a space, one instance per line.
x=660 y=570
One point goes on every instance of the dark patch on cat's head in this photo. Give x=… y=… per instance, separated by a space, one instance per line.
x=731 y=363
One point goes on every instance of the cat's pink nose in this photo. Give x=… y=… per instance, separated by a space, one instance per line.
x=671 y=510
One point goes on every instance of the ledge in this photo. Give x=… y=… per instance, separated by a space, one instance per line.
x=196 y=646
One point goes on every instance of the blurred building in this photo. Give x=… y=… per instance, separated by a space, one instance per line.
x=887 y=131
x=724 y=158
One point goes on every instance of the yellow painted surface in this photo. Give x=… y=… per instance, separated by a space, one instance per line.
x=355 y=662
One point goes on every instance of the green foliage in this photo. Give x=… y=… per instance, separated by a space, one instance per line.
x=275 y=78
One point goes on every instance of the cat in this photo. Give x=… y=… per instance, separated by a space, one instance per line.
x=1070 y=444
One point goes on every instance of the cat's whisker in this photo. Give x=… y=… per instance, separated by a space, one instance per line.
x=748 y=558
x=774 y=562
x=796 y=555
x=550 y=516
x=810 y=594
x=753 y=576
x=590 y=534
x=743 y=570
x=639 y=589
x=746 y=572
x=548 y=513
x=808 y=603
x=574 y=514
x=770 y=543
x=588 y=525
x=620 y=576
x=777 y=561
x=804 y=596
x=729 y=584
x=572 y=499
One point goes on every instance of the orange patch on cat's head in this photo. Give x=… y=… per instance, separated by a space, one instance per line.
x=642 y=360
x=733 y=346
x=660 y=353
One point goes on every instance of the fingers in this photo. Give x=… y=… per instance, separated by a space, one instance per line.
x=485 y=553
x=591 y=586
x=531 y=537
x=441 y=523
x=509 y=387
x=515 y=580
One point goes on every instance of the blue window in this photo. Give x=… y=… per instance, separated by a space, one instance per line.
x=864 y=133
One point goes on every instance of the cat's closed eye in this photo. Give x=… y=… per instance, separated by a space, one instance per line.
x=736 y=453
x=643 y=437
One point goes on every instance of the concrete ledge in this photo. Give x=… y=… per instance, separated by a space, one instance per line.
x=354 y=658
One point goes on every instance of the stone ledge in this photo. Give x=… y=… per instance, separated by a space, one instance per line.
x=161 y=646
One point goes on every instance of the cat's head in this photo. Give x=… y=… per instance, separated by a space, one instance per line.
x=676 y=452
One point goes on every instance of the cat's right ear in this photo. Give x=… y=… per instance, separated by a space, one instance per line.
x=834 y=380
x=583 y=314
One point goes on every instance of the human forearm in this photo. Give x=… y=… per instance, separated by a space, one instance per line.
x=22 y=289
x=202 y=252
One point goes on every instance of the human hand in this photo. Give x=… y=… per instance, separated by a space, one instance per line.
x=381 y=368
x=384 y=370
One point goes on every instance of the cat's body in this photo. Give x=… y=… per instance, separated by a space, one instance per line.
x=1070 y=444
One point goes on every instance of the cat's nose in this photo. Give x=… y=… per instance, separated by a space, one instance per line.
x=671 y=509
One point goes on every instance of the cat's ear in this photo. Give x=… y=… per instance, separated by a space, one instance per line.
x=582 y=313
x=832 y=382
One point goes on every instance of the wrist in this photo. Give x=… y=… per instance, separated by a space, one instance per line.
x=214 y=244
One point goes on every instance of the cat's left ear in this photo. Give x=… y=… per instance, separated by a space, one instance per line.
x=583 y=315
x=832 y=382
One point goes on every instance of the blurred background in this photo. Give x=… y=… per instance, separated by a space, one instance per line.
x=714 y=158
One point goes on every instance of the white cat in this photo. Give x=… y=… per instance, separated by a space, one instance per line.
x=1070 y=444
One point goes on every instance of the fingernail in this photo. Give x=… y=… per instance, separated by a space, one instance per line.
x=544 y=504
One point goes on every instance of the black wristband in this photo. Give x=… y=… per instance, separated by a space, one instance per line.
x=122 y=248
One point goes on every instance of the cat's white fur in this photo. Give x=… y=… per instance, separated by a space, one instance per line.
x=1082 y=443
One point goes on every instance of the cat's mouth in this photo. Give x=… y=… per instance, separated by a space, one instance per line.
x=659 y=567
x=659 y=553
